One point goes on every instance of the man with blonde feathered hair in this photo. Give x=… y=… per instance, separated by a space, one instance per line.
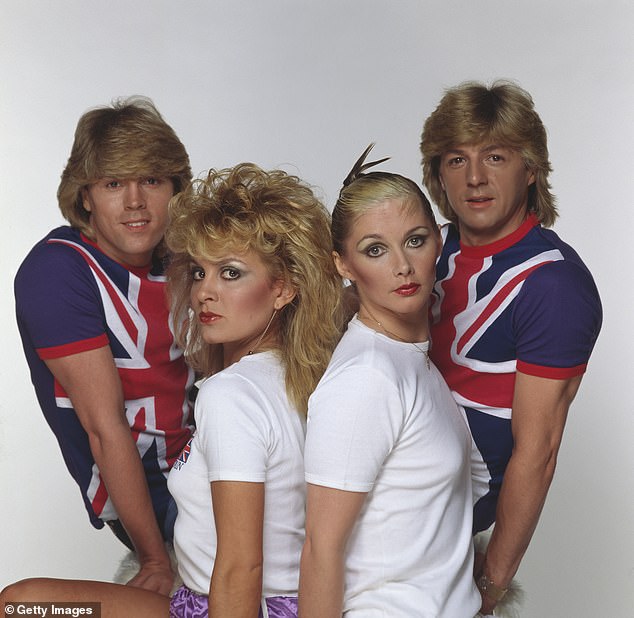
x=94 y=322
x=515 y=313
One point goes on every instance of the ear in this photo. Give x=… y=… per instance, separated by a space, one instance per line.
x=341 y=267
x=439 y=241
x=531 y=177
x=286 y=293
x=442 y=182
x=85 y=200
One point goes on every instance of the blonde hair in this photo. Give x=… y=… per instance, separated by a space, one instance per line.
x=362 y=191
x=278 y=217
x=126 y=140
x=503 y=114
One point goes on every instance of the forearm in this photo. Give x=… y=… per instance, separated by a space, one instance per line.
x=526 y=483
x=321 y=583
x=235 y=590
x=122 y=472
x=540 y=408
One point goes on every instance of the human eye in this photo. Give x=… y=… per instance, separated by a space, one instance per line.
x=151 y=180
x=455 y=161
x=112 y=183
x=197 y=272
x=230 y=273
x=375 y=251
x=418 y=240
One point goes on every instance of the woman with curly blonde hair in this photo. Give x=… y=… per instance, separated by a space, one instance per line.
x=257 y=306
x=277 y=216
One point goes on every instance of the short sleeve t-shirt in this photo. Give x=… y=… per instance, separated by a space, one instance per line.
x=71 y=298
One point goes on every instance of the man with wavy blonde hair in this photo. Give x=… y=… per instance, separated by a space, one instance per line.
x=94 y=322
x=516 y=313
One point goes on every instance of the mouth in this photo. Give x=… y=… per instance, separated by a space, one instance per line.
x=479 y=202
x=207 y=317
x=136 y=225
x=409 y=289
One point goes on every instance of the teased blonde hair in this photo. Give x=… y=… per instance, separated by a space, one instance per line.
x=277 y=216
x=129 y=139
x=503 y=114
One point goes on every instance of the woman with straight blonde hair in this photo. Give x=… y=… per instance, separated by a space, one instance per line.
x=388 y=513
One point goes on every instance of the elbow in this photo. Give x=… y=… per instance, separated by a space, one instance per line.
x=538 y=463
x=240 y=572
x=547 y=461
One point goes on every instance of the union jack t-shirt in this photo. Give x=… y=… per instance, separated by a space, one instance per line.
x=524 y=302
x=71 y=298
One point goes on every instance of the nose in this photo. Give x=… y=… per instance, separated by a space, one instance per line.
x=205 y=290
x=402 y=265
x=135 y=196
x=476 y=174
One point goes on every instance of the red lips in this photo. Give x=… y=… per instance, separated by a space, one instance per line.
x=409 y=289
x=207 y=317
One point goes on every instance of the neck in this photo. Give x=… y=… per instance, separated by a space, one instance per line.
x=400 y=330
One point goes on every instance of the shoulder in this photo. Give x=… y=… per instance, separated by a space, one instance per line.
x=361 y=353
x=54 y=264
x=52 y=248
x=563 y=279
x=252 y=387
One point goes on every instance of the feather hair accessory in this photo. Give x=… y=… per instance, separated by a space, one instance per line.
x=360 y=166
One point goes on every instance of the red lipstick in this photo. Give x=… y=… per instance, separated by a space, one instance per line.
x=408 y=289
x=207 y=317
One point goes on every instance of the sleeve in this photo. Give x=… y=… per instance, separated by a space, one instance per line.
x=557 y=319
x=234 y=429
x=58 y=302
x=354 y=420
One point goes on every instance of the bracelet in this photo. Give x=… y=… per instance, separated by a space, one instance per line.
x=486 y=586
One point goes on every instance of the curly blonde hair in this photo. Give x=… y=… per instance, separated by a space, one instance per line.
x=125 y=140
x=503 y=113
x=277 y=216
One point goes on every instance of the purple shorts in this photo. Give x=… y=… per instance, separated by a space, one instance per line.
x=188 y=604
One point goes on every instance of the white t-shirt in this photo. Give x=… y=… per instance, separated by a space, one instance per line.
x=245 y=431
x=382 y=422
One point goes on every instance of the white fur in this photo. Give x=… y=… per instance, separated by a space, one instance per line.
x=511 y=604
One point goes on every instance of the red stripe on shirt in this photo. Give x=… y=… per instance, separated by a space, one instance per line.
x=75 y=347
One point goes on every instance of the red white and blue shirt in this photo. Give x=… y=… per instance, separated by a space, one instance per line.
x=525 y=302
x=71 y=298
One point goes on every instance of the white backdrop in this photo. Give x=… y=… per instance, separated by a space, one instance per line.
x=306 y=85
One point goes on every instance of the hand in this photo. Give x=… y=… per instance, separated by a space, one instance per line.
x=154 y=576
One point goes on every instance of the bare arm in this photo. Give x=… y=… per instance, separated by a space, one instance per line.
x=236 y=582
x=330 y=518
x=91 y=381
x=540 y=408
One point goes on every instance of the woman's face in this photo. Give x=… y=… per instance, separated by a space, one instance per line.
x=391 y=255
x=233 y=298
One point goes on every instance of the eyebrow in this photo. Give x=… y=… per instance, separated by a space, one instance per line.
x=380 y=236
x=491 y=147
x=218 y=262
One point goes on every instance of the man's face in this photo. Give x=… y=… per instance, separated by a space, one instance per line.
x=487 y=188
x=128 y=216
